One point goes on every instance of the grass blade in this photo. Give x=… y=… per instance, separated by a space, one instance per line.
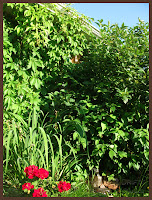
x=52 y=157
x=45 y=145
x=7 y=148
x=60 y=147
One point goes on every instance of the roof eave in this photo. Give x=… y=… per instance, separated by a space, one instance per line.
x=95 y=31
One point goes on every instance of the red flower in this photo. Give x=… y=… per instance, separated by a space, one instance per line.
x=39 y=193
x=27 y=186
x=42 y=173
x=31 y=171
x=63 y=186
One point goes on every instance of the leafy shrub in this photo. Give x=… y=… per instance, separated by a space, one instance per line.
x=101 y=103
x=34 y=50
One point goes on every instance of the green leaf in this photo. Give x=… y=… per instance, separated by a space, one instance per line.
x=130 y=164
x=58 y=39
x=125 y=99
x=32 y=81
x=113 y=116
x=75 y=135
x=121 y=133
x=111 y=154
x=146 y=153
x=122 y=154
x=67 y=103
x=103 y=174
x=37 y=83
x=103 y=125
x=100 y=134
x=136 y=166
x=27 y=13
x=83 y=142
x=72 y=100
x=80 y=129
x=18 y=30
x=112 y=109
x=111 y=177
x=15 y=107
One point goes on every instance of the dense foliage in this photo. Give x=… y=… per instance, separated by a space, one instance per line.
x=100 y=106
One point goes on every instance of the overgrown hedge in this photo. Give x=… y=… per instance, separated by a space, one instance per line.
x=101 y=103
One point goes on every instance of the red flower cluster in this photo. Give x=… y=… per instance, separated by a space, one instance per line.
x=33 y=171
x=63 y=186
x=30 y=171
x=27 y=186
x=39 y=193
x=42 y=173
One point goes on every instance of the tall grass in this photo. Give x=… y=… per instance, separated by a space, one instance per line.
x=29 y=149
x=33 y=146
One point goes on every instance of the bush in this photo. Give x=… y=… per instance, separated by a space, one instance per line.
x=101 y=103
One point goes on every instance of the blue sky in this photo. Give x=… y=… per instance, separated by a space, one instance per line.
x=115 y=12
